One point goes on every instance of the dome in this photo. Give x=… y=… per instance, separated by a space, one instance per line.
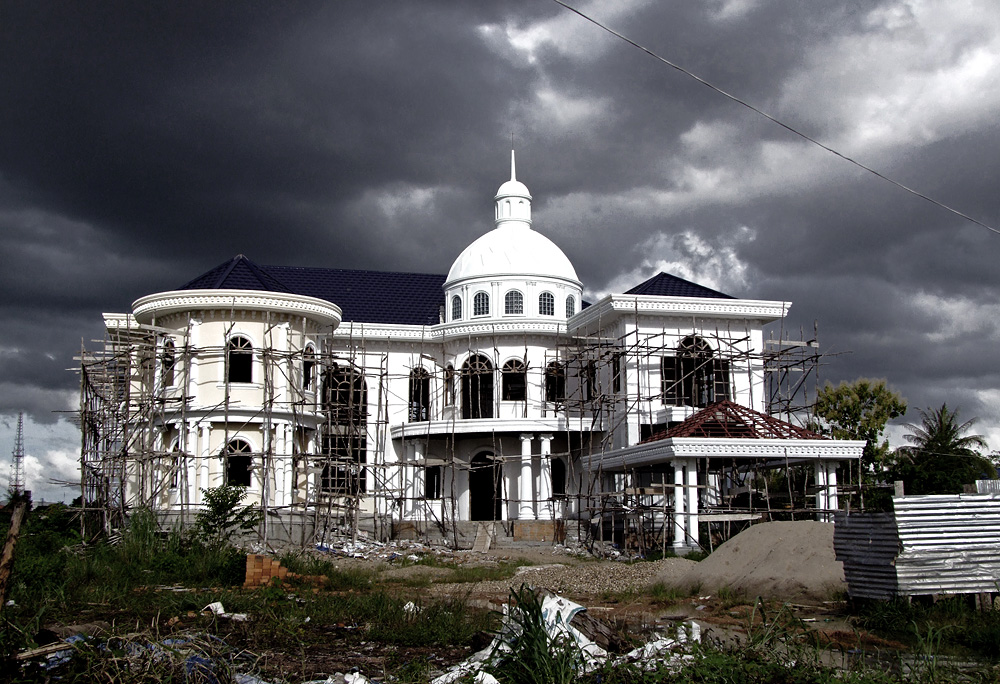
x=513 y=188
x=509 y=251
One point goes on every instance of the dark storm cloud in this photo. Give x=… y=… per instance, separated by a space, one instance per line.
x=141 y=144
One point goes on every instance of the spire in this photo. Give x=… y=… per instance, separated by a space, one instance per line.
x=513 y=176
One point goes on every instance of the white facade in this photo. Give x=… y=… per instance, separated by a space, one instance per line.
x=503 y=410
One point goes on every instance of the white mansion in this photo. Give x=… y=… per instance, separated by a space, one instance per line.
x=421 y=402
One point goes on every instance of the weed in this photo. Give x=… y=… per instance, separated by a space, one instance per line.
x=535 y=656
x=730 y=597
x=663 y=594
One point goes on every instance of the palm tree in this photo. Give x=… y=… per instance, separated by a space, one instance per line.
x=941 y=457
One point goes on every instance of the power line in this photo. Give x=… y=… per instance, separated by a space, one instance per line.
x=774 y=120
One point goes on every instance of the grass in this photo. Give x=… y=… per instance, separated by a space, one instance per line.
x=954 y=624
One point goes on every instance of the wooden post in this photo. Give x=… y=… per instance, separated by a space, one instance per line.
x=7 y=559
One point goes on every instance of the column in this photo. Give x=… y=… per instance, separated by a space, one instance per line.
x=413 y=490
x=194 y=339
x=283 y=467
x=693 y=540
x=679 y=502
x=190 y=449
x=205 y=432
x=833 y=501
x=821 y=500
x=545 y=479
x=526 y=510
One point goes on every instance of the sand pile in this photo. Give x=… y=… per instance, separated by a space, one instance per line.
x=785 y=560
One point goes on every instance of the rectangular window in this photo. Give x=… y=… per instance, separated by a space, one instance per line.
x=432 y=482
x=669 y=381
x=617 y=372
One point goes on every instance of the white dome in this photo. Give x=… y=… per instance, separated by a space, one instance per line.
x=510 y=251
x=513 y=188
x=512 y=248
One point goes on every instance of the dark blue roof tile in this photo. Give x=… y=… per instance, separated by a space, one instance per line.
x=666 y=285
x=363 y=296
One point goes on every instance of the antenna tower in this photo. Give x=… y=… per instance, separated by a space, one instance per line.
x=17 y=470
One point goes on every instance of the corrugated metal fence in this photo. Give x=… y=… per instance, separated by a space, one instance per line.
x=942 y=544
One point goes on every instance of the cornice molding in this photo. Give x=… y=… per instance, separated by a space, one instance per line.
x=663 y=451
x=613 y=306
x=145 y=309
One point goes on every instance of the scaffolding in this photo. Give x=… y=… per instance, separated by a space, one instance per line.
x=326 y=464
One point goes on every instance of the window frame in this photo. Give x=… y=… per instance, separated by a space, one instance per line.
x=570 y=306
x=513 y=303
x=239 y=345
x=456 y=307
x=546 y=304
x=514 y=381
x=481 y=304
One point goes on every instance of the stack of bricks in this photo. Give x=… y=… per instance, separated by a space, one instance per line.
x=262 y=569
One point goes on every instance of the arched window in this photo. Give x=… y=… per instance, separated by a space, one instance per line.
x=694 y=377
x=481 y=304
x=420 y=395
x=238 y=463
x=239 y=360
x=167 y=361
x=344 y=431
x=558 y=478
x=449 y=386
x=555 y=382
x=570 y=306
x=588 y=373
x=546 y=304
x=308 y=368
x=477 y=387
x=513 y=303
x=456 y=308
x=513 y=381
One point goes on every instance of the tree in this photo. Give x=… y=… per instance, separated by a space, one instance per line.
x=860 y=410
x=223 y=515
x=941 y=457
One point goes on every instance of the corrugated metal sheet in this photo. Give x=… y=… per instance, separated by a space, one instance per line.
x=988 y=486
x=944 y=544
x=951 y=544
x=867 y=544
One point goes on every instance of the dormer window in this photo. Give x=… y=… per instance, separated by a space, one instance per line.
x=481 y=304
x=570 y=306
x=513 y=303
x=546 y=304
x=239 y=360
x=456 y=308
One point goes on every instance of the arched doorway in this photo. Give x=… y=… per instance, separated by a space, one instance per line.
x=477 y=387
x=485 y=487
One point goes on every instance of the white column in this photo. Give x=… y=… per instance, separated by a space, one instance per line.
x=414 y=489
x=679 y=502
x=190 y=449
x=545 y=479
x=821 y=500
x=693 y=540
x=833 y=501
x=205 y=439
x=194 y=339
x=283 y=467
x=526 y=510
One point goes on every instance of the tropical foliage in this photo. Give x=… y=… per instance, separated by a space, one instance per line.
x=860 y=410
x=941 y=457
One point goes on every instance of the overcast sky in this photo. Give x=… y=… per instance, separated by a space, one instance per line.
x=143 y=143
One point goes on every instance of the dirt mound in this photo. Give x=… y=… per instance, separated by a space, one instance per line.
x=784 y=560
